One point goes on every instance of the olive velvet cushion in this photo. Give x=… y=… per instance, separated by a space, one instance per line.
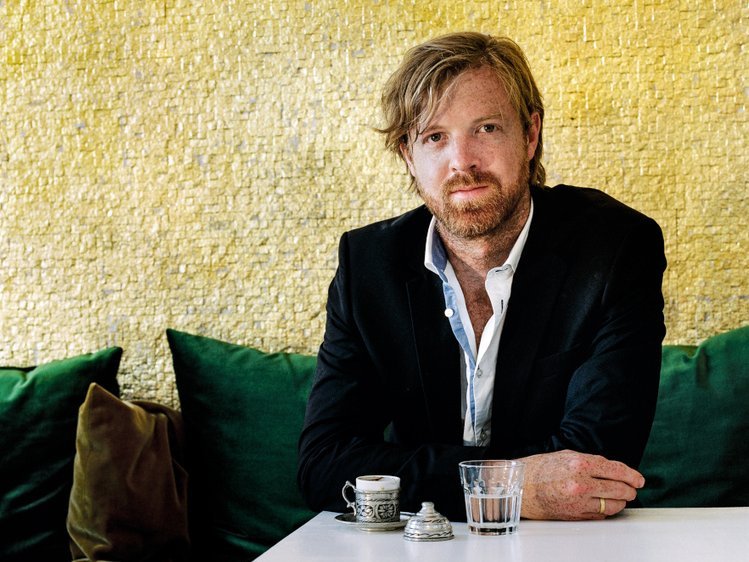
x=243 y=411
x=129 y=496
x=38 y=417
x=698 y=451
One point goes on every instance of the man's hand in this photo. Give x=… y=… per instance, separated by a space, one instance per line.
x=570 y=485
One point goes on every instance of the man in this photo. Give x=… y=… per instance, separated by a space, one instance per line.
x=502 y=319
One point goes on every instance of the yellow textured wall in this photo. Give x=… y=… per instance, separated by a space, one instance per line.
x=191 y=164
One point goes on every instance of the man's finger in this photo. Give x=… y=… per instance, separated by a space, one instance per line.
x=615 y=470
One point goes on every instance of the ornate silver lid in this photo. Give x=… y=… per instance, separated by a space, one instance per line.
x=428 y=525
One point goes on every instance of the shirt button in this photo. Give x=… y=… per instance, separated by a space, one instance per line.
x=449 y=312
x=479 y=373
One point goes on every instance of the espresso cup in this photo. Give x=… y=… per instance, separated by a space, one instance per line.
x=376 y=498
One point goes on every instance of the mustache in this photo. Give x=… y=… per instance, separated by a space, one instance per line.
x=469 y=179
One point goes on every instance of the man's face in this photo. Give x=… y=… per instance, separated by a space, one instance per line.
x=471 y=160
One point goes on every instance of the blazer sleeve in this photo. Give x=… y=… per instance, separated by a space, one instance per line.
x=348 y=413
x=612 y=396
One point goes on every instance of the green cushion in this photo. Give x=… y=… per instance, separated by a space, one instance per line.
x=38 y=417
x=698 y=449
x=243 y=412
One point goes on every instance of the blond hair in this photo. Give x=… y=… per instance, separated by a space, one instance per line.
x=413 y=92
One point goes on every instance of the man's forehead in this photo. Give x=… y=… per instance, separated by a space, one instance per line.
x=492 y=93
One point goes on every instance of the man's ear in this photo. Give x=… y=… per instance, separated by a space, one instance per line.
x=406 y=154
x=534 y=130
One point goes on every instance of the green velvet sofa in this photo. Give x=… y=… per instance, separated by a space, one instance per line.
x=87 y=476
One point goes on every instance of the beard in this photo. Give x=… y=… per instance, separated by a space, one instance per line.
x=481 y=216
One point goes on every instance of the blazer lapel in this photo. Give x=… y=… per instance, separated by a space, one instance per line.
x=438 y=356
x=535 y=287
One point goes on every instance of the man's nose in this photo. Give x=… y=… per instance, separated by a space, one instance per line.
x=465 y=155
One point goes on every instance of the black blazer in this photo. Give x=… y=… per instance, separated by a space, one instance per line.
x=578 y=363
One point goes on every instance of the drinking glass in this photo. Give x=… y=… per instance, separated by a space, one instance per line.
x=493 y=494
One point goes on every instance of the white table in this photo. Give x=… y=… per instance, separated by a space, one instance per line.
x=641 y=535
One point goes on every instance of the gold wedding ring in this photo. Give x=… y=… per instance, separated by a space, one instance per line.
x=602 y=507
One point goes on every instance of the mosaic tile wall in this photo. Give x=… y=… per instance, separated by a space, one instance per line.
x=191 y=164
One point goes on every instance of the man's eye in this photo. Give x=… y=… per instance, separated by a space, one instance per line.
x=434 y=137
x=489 y=128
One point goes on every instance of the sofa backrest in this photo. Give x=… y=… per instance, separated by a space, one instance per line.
x=698 y=451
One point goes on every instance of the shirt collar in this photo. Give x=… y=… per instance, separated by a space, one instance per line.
x=435 y=256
